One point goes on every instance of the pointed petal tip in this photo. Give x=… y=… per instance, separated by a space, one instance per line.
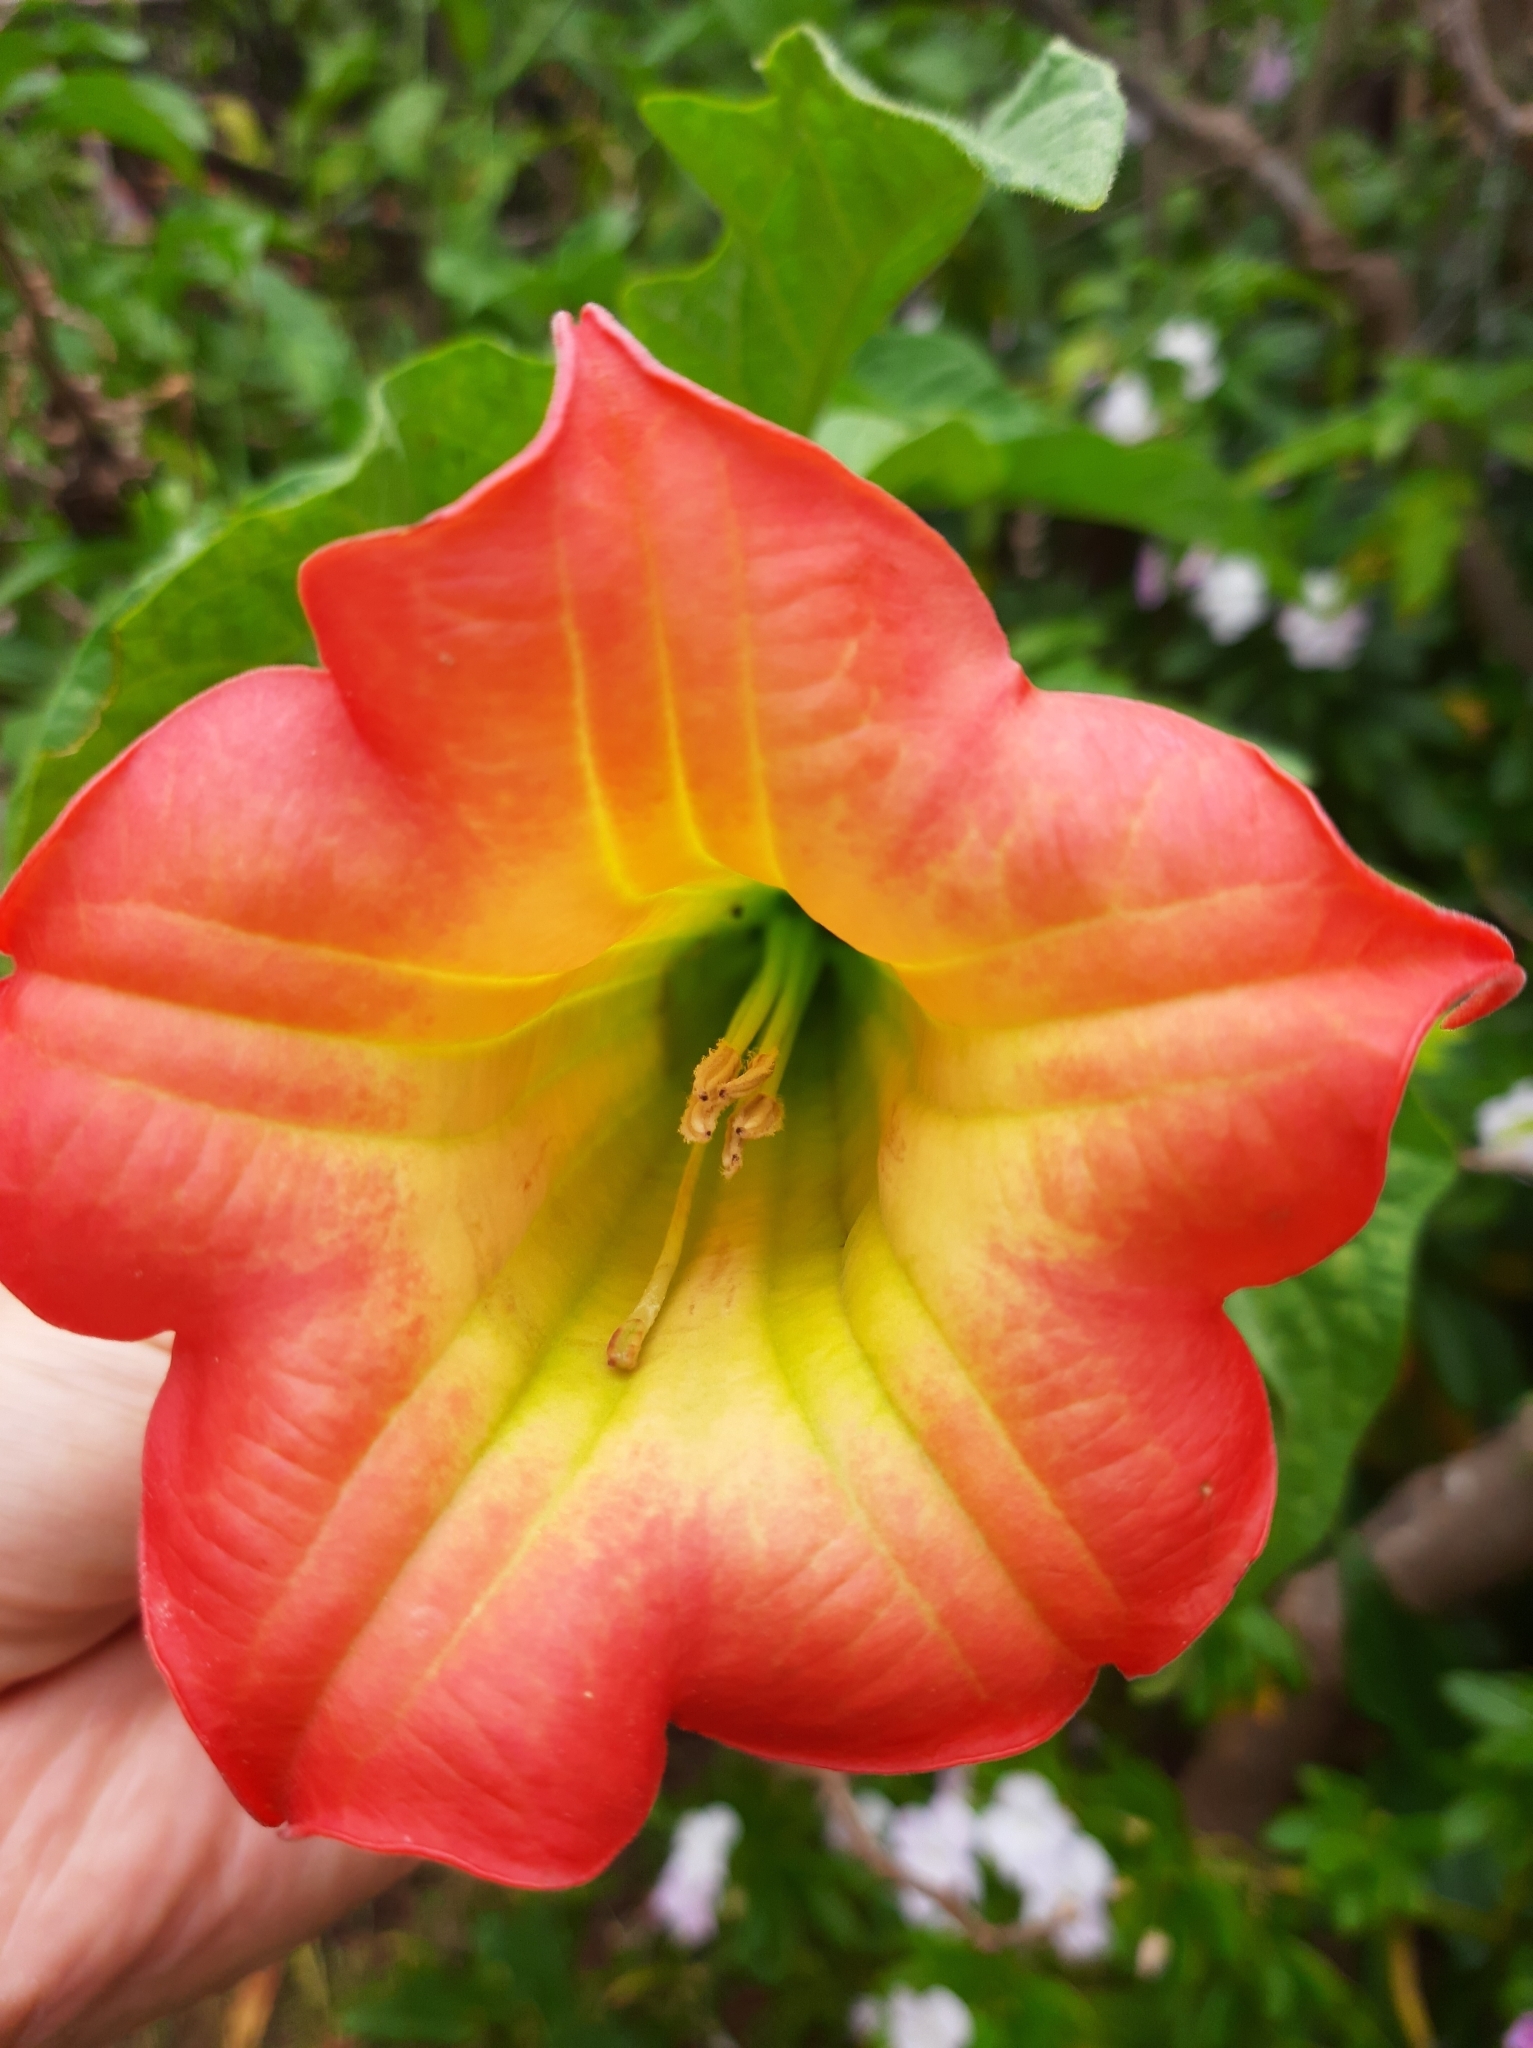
x=1487 y=994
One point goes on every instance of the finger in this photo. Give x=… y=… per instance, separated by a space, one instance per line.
x=72 y=1417
x=130 y=1881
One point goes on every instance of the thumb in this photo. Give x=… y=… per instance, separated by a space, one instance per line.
x=130 y=1880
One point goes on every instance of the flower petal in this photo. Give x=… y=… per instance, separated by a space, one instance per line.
x=349 y=1031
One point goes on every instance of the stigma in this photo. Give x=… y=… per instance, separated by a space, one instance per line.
x=737 y=1084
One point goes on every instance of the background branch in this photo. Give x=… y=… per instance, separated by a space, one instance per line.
x=1459 y=29
x=1447 y=1534
x=96 y=437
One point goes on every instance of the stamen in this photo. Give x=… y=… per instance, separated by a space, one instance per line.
x=732 y=1079
x=717 y=1079
x=627 y=1340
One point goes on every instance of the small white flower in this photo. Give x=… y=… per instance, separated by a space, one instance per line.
x=1070 y=1899
x=1323 y=630
x=937 y=2018
x=1193 y=345
x=1152 y=577
x=1504 y=1126
x=1229 y=596
x=935 y=1845
x=1153 y=1953
x=1125 y=412
x=1064 y=1875
x=685 y=1900
x=1024 y=1830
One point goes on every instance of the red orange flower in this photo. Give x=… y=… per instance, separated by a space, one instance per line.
x=353 y=1016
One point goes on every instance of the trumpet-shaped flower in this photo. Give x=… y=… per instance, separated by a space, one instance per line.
x=677 y=773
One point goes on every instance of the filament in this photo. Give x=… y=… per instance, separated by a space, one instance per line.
x=627 y=1340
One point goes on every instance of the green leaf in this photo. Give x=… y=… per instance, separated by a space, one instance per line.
x=403 y=124
x=1366 y=1865
x=930 y=418
x=147 y=114
x=1423 y=524
x=1167 y=488
x=471 y=31
x=837 y=201
x=1329 y=1344
x=1164 y=488
x=1059 y=134
x=1395 y=1660
x=1348 y=437
x=306 y=345
x=1500 y=1706
x=19 y=54
x=229 y=601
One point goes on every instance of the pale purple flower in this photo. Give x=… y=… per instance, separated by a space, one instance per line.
x=1229 y=594
x=1270 y=78
x=1520 y=2033
x=1193 y=567
x=1194 y=346
x=1125 y=412
x=1152 y=577
x=685 y=1901
x=1323 y=630
x=936 y=2018
x=865 y=2021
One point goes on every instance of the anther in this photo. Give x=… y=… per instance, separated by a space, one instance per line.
x=716 y=1082
x=761 y=1116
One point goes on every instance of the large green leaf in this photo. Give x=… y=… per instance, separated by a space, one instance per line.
x=837 y=200
x=230 y=601
x=1329 y=1343
x=1165 y=488
x=930 y=418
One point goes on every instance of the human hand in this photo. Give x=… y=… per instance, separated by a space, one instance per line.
x=130 y=1880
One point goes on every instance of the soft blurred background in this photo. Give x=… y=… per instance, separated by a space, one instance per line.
x=1255 y=440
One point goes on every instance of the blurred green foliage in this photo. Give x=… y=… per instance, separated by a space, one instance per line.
x=274 y=273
